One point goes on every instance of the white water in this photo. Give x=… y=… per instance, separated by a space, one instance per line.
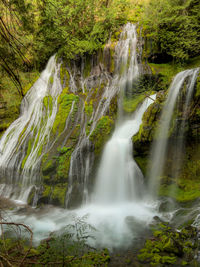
x=32 y=127
x=159 y=149
x=119 y=178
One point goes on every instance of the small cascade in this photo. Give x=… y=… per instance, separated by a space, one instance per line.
x=23 y=142
x=119 y=178
x=160 y=145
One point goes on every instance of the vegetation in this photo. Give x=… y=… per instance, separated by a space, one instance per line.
x=173 y=27
x=170 y=247
x=68 y=248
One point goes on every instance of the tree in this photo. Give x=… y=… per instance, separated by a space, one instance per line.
x=174 y=27
x=15 y=24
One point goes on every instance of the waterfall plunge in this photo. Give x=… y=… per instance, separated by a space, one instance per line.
x=159 y=148
x=118 y=208
x=119 y=178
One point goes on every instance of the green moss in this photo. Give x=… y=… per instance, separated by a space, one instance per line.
x=197 y=94
x=168 y=246
x=39 y=153
x=3 y=127
x=64 y=75
x=169 y=70
x=30 y=84
x=48 y=103
x=47 y=191
x=59 y=193
x=182 y=192
x=130 y=104
x=87 y=67
x=30 y=143
x=22 y=134
x=37 y=137
x=89 y=108
x=31 y=197
x=45 y=102
x=48 y=166
x=64 y=150
x=149 y=124
x=101 y=132
x=112 y=60
x=63 y=163
x=65 y=102
x=51 y=79
x=142 y=163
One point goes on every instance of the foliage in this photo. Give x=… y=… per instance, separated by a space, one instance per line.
x=174 y=27
x=169 y=246
x=62 y=28
x=67 y=248
x=16 y=24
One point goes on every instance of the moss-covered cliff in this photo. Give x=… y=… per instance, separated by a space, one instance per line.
x=81 y=126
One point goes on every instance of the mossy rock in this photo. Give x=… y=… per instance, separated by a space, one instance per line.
x=65 y=104
x=169 y=246
x=101 y=133
x=149 y=123
x=48 y=167
x=54 y=194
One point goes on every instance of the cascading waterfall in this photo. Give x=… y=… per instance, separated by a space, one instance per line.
x=125 y=54
x=117 y=205
x=119 y=178
x=159 y=149
x=26 y=138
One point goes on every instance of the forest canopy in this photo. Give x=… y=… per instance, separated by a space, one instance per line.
x=32 y=31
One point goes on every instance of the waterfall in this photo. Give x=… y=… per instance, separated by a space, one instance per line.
x=119 y=178
x=23 y=143
x=126 y=71
x=117 y=205
x=159 y=148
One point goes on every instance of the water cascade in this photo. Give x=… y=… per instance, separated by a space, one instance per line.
x=119 y=178
x=117 y=206
x=22 y=144
x=160 y=144
x=126 y=70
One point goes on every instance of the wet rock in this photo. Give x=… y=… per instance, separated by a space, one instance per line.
x=167 y=204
